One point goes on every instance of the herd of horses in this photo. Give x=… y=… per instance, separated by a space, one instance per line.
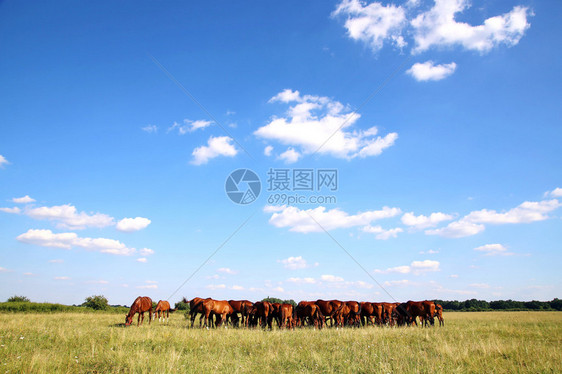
x=216 y=313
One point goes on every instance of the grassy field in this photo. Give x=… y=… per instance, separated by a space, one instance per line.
x=503 y=342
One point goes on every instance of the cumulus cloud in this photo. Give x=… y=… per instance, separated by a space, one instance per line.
x=394 y=283
x=237 y=288
x=227 y=271
x=474 y=222
x=416 y=268
x=189 y=126
x=46 y=238
x=422 y=222
x=298 y=280
x=142 y=259
x=267 y=150
x=148 y=286
x=290 y=156
x=299 y=220
x=320 y=124
x=331 y=278
x=438 y=27
x=14 y=210
x=375 y=24
x=3 y=161
x=479 y=285
x=216 y=146
x=494 y=250
x=557 y=192
x=61 y=278
x=381 y=233
x=150 y=129
x=23 y=200
x=294 y=263
x=67 y=216
x=428 y=71
x=132 y=224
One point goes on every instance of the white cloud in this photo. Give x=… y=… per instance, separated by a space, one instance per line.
x=422 y=222
x=382 y=234
x=46 y=238
x=457 y=229
x=189 y=126
x=66 y=216
x=290 y=156
x=331 y=278
x=227 y=271
x=428 y=71
x=23 y=200
x=62 y=278
x=146 y=252
x=267 y=150
x=216 y=286
x=403 y=282
x=142 y=259
x=438 y=27
x=453 y=276
x=150 y=129
x=494 y=250
x=294 y=263
x=473 y=223
x=557 y=192
x=14 y=210
x=4 y=270
x=529 y=211
x=98 y=282
x=319 y=124
x=299 y=220
x=28 y=274
x=56 y=261
x=374 y=23
x=3 y=161
x=216 y=146
x=416 y=268
x=237 y=288
x=278 y=289
x=133 y=224
x=302 y=280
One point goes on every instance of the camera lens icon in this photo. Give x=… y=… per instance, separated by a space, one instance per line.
x=243 y=186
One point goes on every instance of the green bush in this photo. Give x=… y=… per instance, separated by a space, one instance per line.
x=18 y=299
x=96 y=302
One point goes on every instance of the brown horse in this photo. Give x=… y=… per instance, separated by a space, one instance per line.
x=195 y=306
x=221 y=308
x=329 y=308
x=140 y=305
x=286 y=311
x=162 y=307
x=242 y=307
x=439 y=314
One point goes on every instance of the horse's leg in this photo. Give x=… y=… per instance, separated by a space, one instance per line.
x=139 y=322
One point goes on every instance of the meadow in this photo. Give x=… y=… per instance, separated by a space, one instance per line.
x=499 y=342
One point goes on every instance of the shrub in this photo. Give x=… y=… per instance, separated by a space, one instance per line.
x=18 y=299
x=96 y=302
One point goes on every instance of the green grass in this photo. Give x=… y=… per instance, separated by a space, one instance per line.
x=502 y=342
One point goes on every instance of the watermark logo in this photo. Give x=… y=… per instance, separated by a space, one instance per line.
x=243 y=186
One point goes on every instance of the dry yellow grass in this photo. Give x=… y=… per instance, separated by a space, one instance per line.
x=502 y=342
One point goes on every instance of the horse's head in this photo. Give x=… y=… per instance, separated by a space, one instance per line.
x=128 y=320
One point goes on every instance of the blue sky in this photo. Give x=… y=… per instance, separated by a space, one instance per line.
x=120 y=123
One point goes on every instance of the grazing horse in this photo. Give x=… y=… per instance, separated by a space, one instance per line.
x=299 y=315
x=329 y=308
x=260 y=314
x=163 y=307
x=388 y=312
x=195 y=306
x=354 y=315
x=140 y=305
x=314 y=313
x=243 y=307
x=286 y=311
x=221 y=308
x=425 y=310
x=371 y=312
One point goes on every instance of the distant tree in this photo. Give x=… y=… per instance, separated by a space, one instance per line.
x=18 y=299
x=181 y=306
x=556 y=304
x=97 y=302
